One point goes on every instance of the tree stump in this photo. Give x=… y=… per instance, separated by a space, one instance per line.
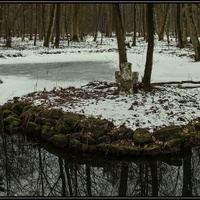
x=126 y=78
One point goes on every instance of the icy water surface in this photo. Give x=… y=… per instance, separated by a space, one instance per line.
x=20 y=79
x=27 y=169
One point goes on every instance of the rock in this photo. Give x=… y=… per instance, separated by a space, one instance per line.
x=168 y=133
x=98 y=127
x=47 y=131
x=60 y=140
x=121 y=133
x=32 y=129
x=18 y=107
x=68 y=122
x=142 y=136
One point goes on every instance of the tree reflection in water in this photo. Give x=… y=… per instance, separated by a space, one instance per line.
x=30 y=170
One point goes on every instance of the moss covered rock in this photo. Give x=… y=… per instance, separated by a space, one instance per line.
x=47 y=131
x=31 y=112
x=121 y=133
x=6 y=113
x=168 y=133
x=87 y=138
x=53 y=114
x=32 y=129
x=75 y=144
x=7 y=106
x=18 y=107
x=98 y=127
x=103 y=140
x=60 y=140
x=142 y=136
x=197 y=126
x=172 y=146
x=11 y=123
x=12 y=120
x=152 y=150
x=68 y=122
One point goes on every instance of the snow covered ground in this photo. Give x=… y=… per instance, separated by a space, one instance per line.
x=167 y=105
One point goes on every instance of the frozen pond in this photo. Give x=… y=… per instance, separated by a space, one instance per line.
x=20 y=79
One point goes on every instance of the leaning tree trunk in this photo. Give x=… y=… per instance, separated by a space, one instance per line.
x=150 y=48
x=51 y=26
x=193 y=31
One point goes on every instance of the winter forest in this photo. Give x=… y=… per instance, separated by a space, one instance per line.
x=99 y=99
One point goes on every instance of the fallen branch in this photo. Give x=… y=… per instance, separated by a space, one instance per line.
x=175 y=82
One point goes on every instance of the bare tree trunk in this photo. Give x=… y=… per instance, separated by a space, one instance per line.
x=76 y=19
x=24 y=23
x=193 y=31
x=180 y=41
x=125 y=75
x=134 y=24
x=51 y=26
x=36 y=23
x=119 y=33
x=1 y=19
x=57 y=41
x=184 y=26
x=99 y=14
x=31 y=22
x=145 y=29
x=43 y=20
x=150 y=48
x=108 y=9
x=71 y=21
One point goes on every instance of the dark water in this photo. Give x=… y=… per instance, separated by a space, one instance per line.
x=29 y=170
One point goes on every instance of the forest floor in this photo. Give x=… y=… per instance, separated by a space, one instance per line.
x=175 y=103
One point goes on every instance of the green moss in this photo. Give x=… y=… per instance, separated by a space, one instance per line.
x=32 y=129
x=98 y=127
x=18 y=107
x=168 y=133
x=122 y=133
x=87 y=138
x=75 y=144
x=31 y=111
x=68 y=122
x=197 y=126
x=142 y=136
x=6 y=113
x=118 y=150
x=152 y=150
x=11 y=123
x=172 y=146
x=53 y=114
x=104 y=140
x=60 y=140
x=196 y=138
x=47 y=131
x=7 y=106
x=12 y=120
